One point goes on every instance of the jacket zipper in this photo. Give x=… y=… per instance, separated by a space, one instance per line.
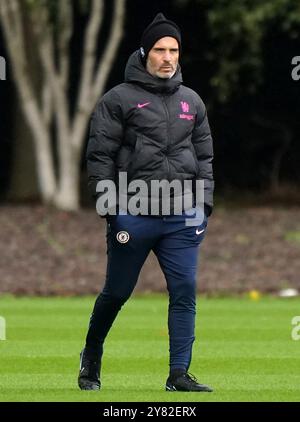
x=168 y=134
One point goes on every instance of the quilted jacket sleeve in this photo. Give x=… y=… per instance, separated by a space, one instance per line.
x=105 y=138
x=203 y=145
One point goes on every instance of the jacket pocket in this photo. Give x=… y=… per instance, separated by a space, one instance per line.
x=133 y=162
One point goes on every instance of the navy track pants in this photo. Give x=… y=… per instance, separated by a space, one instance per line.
x=176 y=246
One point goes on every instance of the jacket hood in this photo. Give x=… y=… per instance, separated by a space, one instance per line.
x=135 y=72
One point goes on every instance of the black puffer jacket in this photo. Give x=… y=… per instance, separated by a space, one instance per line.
x=153 y=129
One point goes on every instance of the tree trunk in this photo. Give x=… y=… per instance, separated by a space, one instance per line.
x=67 y=195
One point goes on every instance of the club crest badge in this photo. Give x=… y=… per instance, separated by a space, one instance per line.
x=123 y=237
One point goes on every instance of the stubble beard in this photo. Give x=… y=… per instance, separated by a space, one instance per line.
x=164 y=75
x=159 y=74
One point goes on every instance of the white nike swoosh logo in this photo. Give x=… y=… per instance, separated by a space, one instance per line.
x=199 y=232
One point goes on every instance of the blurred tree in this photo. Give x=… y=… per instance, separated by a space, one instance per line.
x=235 y=31
x=45 y=102
x=243 y=50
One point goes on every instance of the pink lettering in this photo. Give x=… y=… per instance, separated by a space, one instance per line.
x=187 y=116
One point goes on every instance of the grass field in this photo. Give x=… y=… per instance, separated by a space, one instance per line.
x=243 y=349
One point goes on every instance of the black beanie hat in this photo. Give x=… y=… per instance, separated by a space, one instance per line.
x=160 y=27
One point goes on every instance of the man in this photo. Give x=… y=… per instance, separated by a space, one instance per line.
x=151 y=128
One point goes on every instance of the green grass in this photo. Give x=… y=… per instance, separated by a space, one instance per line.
x=243 y=349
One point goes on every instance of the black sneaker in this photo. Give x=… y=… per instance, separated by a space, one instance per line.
x=186 y=382
x=89 y=373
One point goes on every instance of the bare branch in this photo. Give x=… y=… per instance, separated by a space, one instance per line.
x=11 y=15
x=91 y=90
x=115 y=36
x=13 y=32
x=64 y=37
x=89 y=55
x=40 y=26
x=46 y=52
x=11 y=18
x=47 y=102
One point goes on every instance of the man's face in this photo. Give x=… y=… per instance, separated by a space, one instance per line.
x=163 y=58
